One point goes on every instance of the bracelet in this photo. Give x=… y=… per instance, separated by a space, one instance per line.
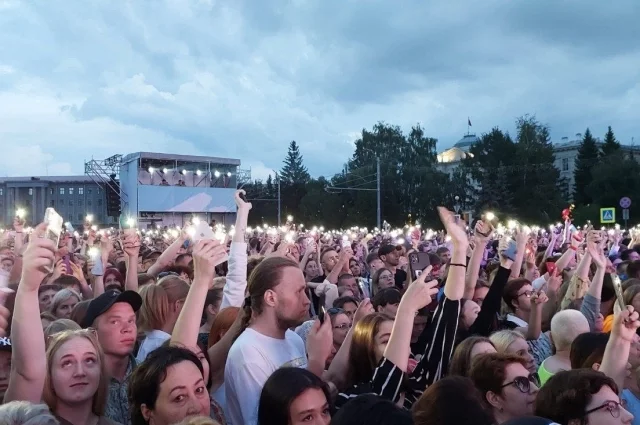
x=457 y=265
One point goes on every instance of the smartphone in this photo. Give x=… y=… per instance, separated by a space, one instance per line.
x=321 y=314
x=617 y=286
x=54 y=228
x=243 y=196
x=202 y=232
x=418 y=261
x=67 y=264
x=98 y=267
x=511 y=251
x=551 y=267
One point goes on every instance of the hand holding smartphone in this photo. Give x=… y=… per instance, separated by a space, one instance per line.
x=54 y=228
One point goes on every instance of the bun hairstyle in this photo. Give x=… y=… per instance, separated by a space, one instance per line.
x=264 y=277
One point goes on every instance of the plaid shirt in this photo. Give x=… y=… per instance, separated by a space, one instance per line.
x=117 y=408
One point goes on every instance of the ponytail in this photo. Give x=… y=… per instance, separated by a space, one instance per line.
x=157 y=300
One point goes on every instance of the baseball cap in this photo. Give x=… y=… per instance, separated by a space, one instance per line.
x=386 y=250
x=5 y=343
x=106 y=300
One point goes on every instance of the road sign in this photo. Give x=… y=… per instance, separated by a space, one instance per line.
x=607 y=215
x=625 y=214
x=625 y=202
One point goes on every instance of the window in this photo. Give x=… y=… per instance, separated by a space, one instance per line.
x=79 y=217
x=70 y=191
x=30 y=191
x=99 y=191
x=0 y=191
x=99 y=202
x=50 y=191
x=88 y=202
x=79 y=202
x=62 y=191
x=565 y=164
x=70 y=202
x=89 y=191
x=81 y=191
x=61 y=201
x=52 y=203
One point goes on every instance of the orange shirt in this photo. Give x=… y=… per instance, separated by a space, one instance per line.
x=607 y=324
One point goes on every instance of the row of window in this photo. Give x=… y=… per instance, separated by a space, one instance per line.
x=80 y=202
x=62 y=191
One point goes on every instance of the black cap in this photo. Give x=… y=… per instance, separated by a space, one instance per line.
x=102 y=303
x=386 y=250
x=5 y=343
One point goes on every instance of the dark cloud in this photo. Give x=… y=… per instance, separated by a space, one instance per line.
x=243 y=78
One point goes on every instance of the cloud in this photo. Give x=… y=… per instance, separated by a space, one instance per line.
x=243 y=78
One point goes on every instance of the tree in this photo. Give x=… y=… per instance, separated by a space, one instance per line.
x=294 y=170
x=611 y=145
x=588 y=155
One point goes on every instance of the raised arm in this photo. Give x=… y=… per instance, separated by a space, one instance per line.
x=131 y=247
x=28 y=361
x=482 y=233
x=616 y=354
x=234 y=288
x=207 y=254
x=168 y=256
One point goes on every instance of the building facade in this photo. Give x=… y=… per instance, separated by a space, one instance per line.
x=565 y=153
x=73 y=197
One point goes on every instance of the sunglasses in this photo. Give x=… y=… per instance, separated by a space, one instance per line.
x=523 y=383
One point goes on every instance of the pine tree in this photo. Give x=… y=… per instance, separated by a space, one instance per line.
x=294 y=170
x=611 y=145
x=588 y=154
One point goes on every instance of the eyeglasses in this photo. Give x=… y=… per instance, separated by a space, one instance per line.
x=612 y=406
x=523 y=383
x=343 y=326
x=526 y=294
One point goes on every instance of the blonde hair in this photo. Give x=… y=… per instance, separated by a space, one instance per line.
x=504 y=338
x=58 y=340
x=62 y=296
x=157 y=299
x=60 y=325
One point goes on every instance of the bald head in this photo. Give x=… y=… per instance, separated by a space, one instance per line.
x=566 y=325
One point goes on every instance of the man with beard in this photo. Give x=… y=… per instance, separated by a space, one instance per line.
x=276 y=303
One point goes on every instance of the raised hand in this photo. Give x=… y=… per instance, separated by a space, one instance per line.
x=320 y=341
x=483 y=231
x=420 y=293
x=240 y=202
x=454 y=229
x=625 y=324
x=364 y=308
x=37 y=259
x=207 y=254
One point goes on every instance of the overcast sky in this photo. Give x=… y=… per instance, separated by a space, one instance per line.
x=242 y=78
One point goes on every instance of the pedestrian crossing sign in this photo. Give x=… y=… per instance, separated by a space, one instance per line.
x=607 y=215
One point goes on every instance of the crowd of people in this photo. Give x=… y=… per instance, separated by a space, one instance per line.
x=512 y=327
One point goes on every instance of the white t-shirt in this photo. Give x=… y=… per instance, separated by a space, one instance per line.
x=252 y=359
x=153 y=341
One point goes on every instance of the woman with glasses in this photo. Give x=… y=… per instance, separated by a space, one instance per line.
x=508 y=388
x=582 y=397
x=341 y=323
x=70 y=375
x=382 y=278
